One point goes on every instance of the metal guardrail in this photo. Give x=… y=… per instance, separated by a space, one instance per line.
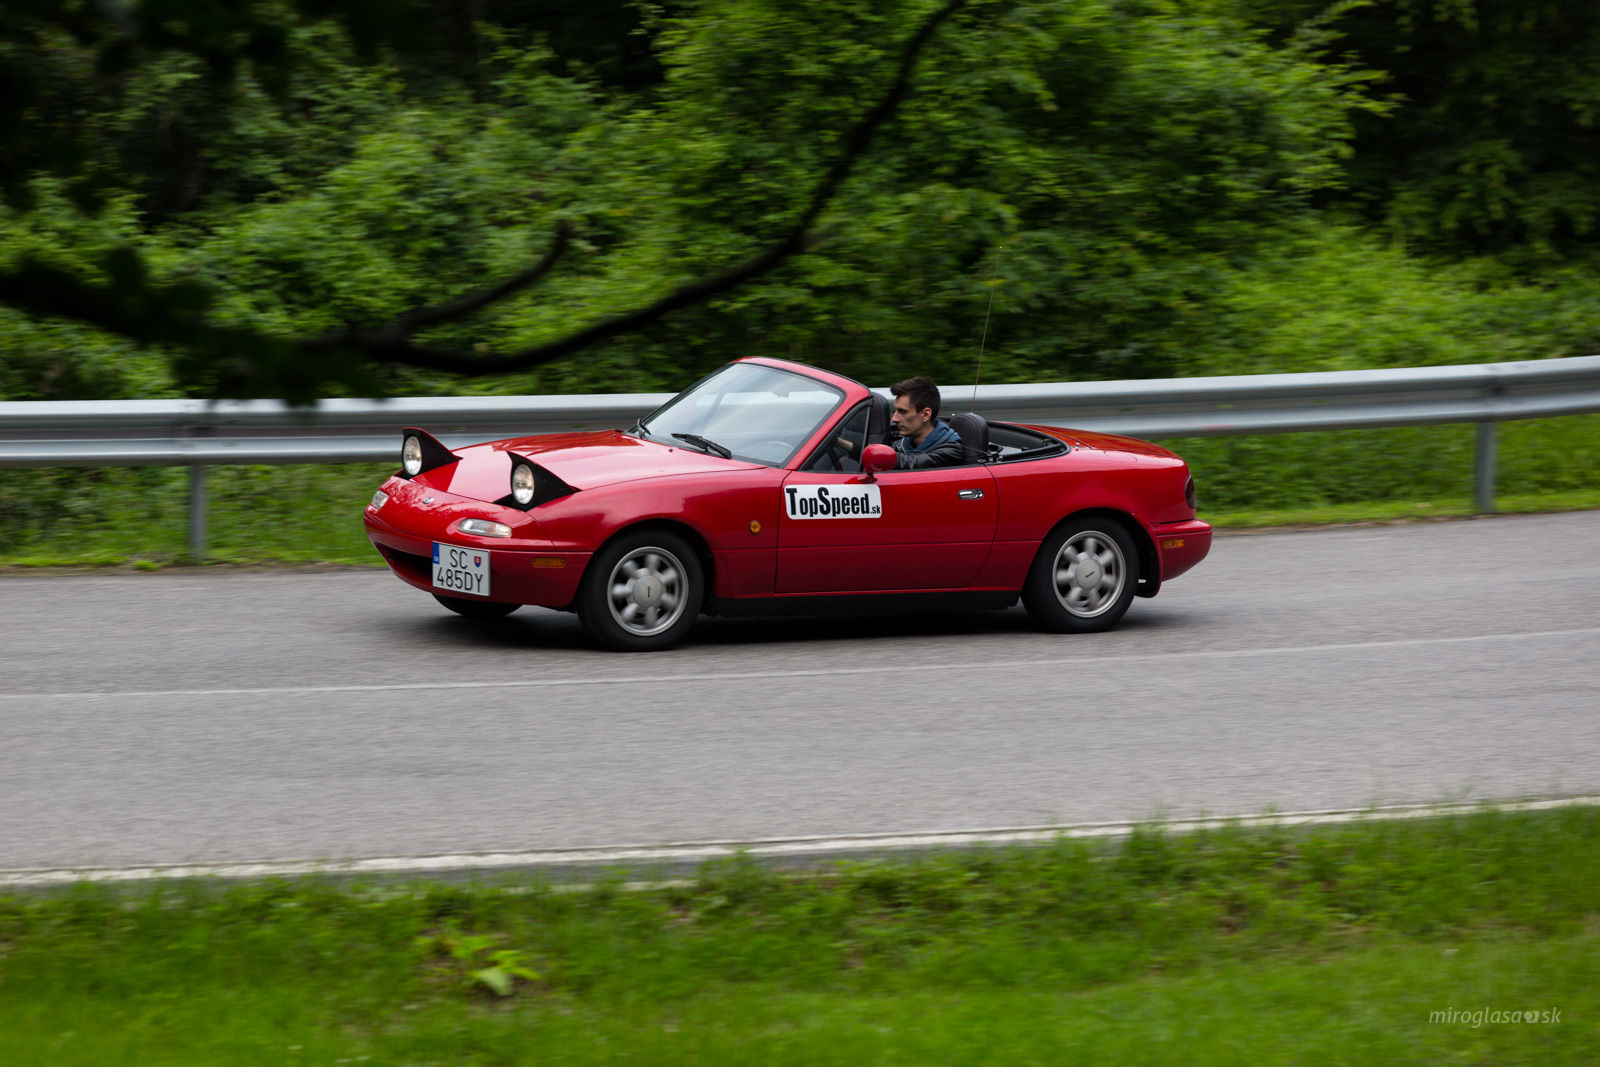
x=199 y=434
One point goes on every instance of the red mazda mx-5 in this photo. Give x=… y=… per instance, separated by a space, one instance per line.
x=765 y=487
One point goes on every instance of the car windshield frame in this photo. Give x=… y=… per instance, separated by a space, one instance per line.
x=732 y=407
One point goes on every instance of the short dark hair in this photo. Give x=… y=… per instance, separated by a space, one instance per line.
x=922 y=392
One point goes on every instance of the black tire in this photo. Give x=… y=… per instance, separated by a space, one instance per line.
x=476 y=609
x=1084 y=577
x=642 y=592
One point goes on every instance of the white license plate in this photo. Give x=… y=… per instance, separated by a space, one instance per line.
x=461 y=570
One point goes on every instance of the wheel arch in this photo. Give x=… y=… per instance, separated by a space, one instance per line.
x=694 y=537
x=1149 y=560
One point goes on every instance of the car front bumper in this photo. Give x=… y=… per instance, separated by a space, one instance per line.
x=522 y=570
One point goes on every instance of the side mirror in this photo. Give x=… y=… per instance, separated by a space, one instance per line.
x=875 y=458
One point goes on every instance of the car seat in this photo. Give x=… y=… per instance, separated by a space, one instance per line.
x=974 y=432
x=879 y=409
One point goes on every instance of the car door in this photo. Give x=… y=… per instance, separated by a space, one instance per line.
x=843 y=531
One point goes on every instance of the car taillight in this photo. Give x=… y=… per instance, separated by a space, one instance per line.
x=1188 y=493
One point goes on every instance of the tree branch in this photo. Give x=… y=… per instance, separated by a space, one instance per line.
x=130 y=309
x=395 y=347
x=395 y=332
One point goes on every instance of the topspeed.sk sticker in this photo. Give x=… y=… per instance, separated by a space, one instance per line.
x=832 y=501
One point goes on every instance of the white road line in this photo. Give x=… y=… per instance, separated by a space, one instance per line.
x=815 y=848
x=814 y=672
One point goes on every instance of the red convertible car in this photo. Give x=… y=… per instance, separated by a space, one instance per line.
x=765 y=487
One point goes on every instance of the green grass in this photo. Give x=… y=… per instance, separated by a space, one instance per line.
x=1385 y=511
x=1377 y=469
x=1334 y=945
x=256 y=515
x=312 y=514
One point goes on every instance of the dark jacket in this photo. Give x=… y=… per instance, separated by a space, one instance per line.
x=941 y=448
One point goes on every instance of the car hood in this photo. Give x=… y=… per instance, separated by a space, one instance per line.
x=582 y=460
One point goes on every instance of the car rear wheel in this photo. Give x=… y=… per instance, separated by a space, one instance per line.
x=476 y=609
x=642 y=592
x=1083 y=578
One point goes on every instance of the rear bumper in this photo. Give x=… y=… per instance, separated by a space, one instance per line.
x=1180 y=545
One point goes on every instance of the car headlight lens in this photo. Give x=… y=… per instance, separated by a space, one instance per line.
x=522 y=484
x=379 y=499
x=483 y=528
x=411 y=457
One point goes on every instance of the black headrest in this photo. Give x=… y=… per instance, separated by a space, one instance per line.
x=974 y=431
x=878 y=419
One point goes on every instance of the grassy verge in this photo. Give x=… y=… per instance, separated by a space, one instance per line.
x=139 y=516
x=1449 y=507
x=1366 y=472
x=312 y=514
x=1361 y=944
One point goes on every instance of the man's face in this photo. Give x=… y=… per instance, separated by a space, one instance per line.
x=911 y=423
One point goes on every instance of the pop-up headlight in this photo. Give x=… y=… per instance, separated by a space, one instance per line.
x=532 y=485
x=421 y=451
x=522 y=484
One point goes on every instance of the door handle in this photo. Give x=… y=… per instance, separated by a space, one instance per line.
x=970 y=494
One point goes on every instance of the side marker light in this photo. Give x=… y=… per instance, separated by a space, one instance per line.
x=549 y=562
x=1172 y=542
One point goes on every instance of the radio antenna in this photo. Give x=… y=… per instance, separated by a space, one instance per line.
x=994 y=283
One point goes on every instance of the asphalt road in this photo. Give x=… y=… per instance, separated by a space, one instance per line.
x=213 y=715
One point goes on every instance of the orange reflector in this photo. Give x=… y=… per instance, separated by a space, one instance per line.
x=1172 y=542
x=548 y=561
x=755 y=527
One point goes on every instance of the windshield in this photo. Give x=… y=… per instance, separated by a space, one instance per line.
x=754 y=413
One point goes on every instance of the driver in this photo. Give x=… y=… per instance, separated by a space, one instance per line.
x=924 y=440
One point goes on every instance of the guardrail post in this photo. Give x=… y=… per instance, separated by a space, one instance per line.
x=197 y=511
x=1484 y=465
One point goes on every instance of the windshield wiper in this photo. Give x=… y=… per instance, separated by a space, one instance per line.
x=639 y=428
x=705 y=443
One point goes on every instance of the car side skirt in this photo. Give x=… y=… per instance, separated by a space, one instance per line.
x=896 y=603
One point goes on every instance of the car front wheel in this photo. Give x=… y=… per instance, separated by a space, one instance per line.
x=642 y=592
x=1083 y=578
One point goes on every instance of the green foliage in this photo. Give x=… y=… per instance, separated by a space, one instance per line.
x=1332 y=297
x=54 y=359
x=1122 y=156
x=69 y=68
x=1123 y=153
x=1489 y=146
x=480 y=963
